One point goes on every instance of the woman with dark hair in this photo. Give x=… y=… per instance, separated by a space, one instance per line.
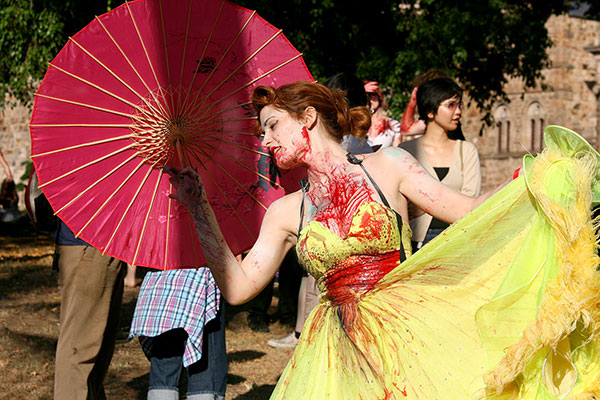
x=408 y=126
x=445 y=156
x=393 y=326
x=9 y=210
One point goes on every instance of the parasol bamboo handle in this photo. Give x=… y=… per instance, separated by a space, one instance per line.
x=179 y=148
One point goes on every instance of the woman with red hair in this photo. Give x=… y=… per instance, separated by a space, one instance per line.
x=504 y=303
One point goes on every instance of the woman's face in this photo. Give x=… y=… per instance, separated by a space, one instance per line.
x=448 y=113
x=285 y=137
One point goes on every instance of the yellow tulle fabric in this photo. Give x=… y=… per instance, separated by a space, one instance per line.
x=504 y=304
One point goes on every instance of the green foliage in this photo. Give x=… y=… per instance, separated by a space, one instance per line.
x=25 y=177
x=27 y=42
x=31 y=34
x=478 y=42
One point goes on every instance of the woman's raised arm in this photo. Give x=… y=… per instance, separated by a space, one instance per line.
x=238 y=282
x=429 y=194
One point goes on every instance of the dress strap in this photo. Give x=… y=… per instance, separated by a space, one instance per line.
x=352 y=159
x=304 y=184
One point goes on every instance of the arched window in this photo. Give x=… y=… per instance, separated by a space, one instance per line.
x=502 y=118
x=542 y=126
x=535 y=113
x=507 y=136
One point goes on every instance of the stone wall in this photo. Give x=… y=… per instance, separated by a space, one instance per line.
x=15 y=141
x=566 y=96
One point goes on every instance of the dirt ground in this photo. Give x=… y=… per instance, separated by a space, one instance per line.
x=29 y=314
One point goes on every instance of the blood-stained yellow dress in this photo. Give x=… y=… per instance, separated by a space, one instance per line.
x=503 y=305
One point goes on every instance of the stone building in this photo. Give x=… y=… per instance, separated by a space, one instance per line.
x=568 y=97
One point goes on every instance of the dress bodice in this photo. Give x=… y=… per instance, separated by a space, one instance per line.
x=370 y=250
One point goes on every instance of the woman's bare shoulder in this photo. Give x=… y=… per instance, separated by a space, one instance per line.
x=394 y=161
x=393 y=156
x=286 y=203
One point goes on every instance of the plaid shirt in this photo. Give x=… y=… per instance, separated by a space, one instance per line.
x=182 y=298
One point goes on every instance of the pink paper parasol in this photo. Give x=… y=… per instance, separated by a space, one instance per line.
x=156 y=83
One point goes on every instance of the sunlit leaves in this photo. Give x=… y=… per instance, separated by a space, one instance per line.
x=32 y=32
x=27 y=42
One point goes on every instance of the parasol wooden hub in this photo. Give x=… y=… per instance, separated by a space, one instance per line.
x=163 y=127
x=178 y=131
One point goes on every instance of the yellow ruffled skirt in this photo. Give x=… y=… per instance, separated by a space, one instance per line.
x=504 y=304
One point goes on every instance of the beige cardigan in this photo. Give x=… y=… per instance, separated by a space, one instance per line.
x=464 y=175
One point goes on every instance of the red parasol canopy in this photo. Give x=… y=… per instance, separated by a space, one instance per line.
x=125 y=90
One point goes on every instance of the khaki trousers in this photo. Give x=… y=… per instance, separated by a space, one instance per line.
x=91 y=286
x=308 y=298
x=312 y=295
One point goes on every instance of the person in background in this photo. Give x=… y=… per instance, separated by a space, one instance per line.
x=9 y=202
x=357 y=97
x=409 y=127
x=384 y=131
x=308 y=298
x=289 y=276
x=91 y=289
x=179 y=318
x=9 y=176
x=9 y=211
x=442 y=151
x=130 y=276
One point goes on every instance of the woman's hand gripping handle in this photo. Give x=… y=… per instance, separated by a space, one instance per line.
x=190 y=193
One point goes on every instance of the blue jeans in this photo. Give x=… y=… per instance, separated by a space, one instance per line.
x=206 y=377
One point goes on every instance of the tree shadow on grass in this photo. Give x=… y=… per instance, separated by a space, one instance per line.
x=140 y=384
x=43 y=346
x=244 y=355
x=233 y=379
x=262 y=392
x=26 y=279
